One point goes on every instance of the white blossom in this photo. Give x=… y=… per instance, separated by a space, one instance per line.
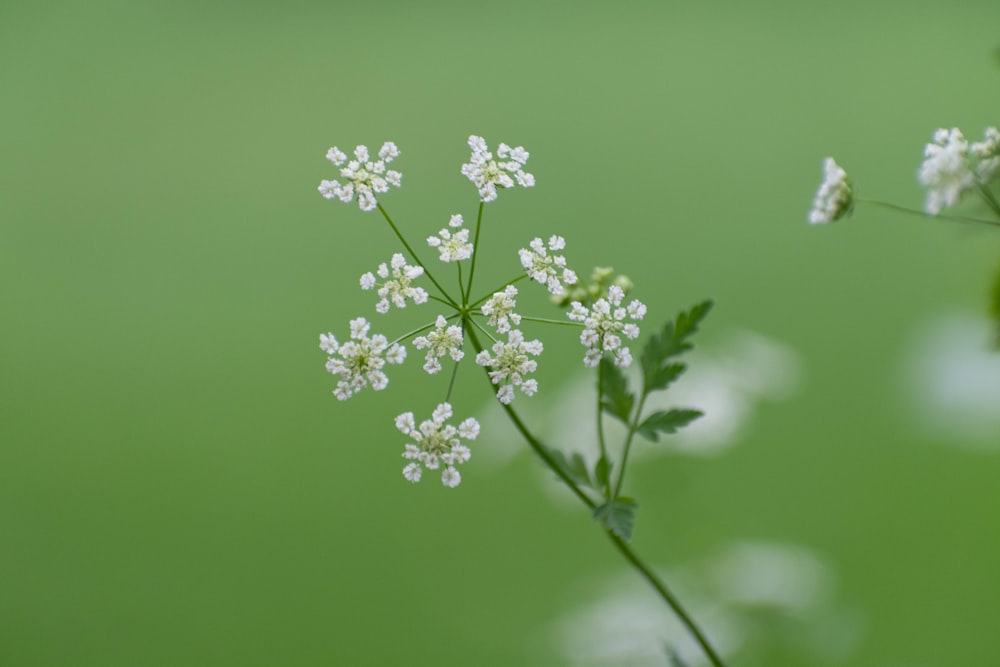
x=835 y=196
x=360 y=360
x=434 y=443
x=444 y=340
x=946 y=171
x=488 y=173
x=605 y=325
x=549 y=270
x=510 y=364
x=397 y=288
x=363 y=177
x=500 y=309
x=453 y=245
x=987 y=155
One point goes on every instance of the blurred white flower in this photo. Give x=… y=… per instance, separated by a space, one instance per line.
x=835 y=198
x=950 y=380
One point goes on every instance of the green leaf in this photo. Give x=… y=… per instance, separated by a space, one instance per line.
x=618 y=516
x=666 y=421
x=574 y=467
x=616 y=399
x=671 y=341
x=602 y=473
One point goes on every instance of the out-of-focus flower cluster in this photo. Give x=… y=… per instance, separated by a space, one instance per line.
x=835 y=196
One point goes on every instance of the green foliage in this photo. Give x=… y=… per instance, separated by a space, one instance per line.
x=602 y=473
x=616 y=399
x=666 y=421
x=618 y=516
x=574 y=467
x=671 y=341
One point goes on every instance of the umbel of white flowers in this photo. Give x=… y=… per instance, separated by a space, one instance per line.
x=361 y=361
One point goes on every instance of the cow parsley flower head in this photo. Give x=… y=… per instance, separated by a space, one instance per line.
x=510 y=364
x=360 y=360
x=363 y=176
x=946 y=171
x=436 y=443
x=605 y=325
x=835 y=196
x=549 y=270
x=987 y=155
x=444 y=340
x=499 y=308
x=453 y=244
x=397 y=289
x=487 y=173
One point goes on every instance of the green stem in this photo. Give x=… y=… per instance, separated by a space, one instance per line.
x=451 y=383
x=665 y=593
x=600 y=431
x=499 y=289
x=545 y=320
x=628 y=445
x=631 y=556
x=413 y=254
x=925 y=214
x=989 y=198
x=475 y=247
x=461 y=287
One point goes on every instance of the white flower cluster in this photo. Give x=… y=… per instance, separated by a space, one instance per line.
x=443 y=340
x=364 y=176
x=835 y=196
x=436 y=442
x=487 y=173
x=952 y=166
x=454 y=245
x=549 y=270
x=359 y=361
x=510 y=364
x=946 y=171
x=500 y=309
x=604 y=326
x=399 y=288
x=987 y=154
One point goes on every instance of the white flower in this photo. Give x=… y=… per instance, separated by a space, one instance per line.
x=510 y=364
x=835 y=197
x=946 y=171
x=360 y=360
x=443 y=340
x=604 y=327
x=500 y=309
x=399 y=288
x=363 y=176
x=452 y=245
x=436 y=442
x=987 y=155
x=549 y=270
x=487 y=173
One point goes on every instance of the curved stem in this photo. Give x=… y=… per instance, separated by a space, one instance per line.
x=413 y=254
x=925 y=214
x=630 y=555
x=668 y=597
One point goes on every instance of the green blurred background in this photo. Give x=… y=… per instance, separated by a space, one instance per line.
x=177 y=484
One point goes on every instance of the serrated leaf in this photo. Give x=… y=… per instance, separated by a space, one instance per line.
x=575 y=467
x=618 y=516
x=602 y=473
x=671 y=341
x=666 y=421
x=616 y=399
